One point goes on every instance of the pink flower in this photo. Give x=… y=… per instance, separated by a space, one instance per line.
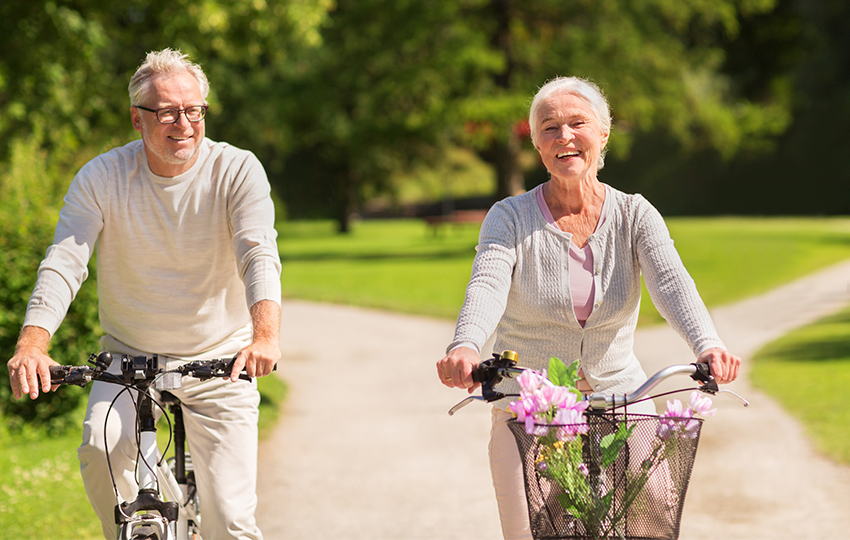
x=530 y=380
x=571 y=422
x=677 y=421
x=701 y=404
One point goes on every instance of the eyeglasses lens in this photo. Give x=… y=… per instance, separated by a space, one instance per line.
x=170 y=116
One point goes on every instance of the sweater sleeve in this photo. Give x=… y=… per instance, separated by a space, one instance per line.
x=254 y=238
x=64 y=268
x=670 y=286
x=487 y=292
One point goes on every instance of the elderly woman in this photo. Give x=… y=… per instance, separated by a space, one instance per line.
x=558 y=273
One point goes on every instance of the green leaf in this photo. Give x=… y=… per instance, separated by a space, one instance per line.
x=611 y=444
x=563 y=375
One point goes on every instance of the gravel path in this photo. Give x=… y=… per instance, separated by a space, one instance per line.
x=366 y=450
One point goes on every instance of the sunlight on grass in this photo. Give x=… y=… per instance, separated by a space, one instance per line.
x=808 y=372
x=402 y=265
x=41 y=492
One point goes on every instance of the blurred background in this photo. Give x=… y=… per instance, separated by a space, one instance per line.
x=375 y=107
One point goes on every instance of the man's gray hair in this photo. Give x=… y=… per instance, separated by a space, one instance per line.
x=582 y=88
x=164 y=62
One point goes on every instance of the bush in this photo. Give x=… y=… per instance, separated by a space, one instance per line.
x=29 y=201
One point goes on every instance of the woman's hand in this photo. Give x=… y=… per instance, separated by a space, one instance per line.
x=723 y=364
x=455 y=369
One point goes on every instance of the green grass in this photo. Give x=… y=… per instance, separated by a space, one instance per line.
x=41 y=491
x=400 y=265
x=808 y=372
x=735 y=258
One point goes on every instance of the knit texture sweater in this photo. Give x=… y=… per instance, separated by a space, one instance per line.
x=520 y=284
x=179 y=260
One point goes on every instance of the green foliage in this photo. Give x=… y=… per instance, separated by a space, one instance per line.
x=26 y=230
x=560 y=374
x=381 y=93
x=80 y=55
x=807 y=371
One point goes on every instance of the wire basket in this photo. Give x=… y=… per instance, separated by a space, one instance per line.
x=621 y=477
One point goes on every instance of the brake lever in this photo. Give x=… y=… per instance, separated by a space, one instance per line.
x=709 y=385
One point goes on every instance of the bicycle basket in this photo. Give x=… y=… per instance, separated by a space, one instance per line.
x=625 y=477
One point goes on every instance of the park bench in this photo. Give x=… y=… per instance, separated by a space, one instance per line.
x=458 y=217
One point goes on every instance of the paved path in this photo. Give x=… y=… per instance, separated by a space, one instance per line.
x=367 y=451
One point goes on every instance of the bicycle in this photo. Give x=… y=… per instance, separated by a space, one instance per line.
x=610 y=473
x=167 y=503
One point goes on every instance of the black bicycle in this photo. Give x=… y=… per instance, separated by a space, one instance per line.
x=167 y=503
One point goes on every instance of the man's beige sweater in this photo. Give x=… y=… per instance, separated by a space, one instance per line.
x=179 y=260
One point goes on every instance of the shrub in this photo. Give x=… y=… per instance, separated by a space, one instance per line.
x=29 y=201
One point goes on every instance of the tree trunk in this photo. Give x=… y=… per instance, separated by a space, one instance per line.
x=346 y=197
x=503 y=152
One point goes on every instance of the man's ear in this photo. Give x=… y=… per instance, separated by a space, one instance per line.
x=136 y=118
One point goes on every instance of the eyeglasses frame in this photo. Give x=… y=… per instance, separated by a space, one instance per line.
x=179 y=112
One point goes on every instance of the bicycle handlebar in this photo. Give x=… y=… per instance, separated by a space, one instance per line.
x=142 y=369
x=504 y=366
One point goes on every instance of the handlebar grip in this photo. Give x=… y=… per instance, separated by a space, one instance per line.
x=703 y=372
x=479 y=374
x=58 y=373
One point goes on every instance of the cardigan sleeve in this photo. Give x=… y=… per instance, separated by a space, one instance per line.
x=670 y=286
x=490 y=283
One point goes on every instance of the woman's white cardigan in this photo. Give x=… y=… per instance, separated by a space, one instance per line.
x=520 y=284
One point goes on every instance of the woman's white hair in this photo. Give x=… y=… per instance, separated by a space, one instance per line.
x=164 y=62
x=582 y=88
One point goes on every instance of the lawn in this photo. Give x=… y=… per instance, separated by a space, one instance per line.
x=401 y=265
x=808 y=372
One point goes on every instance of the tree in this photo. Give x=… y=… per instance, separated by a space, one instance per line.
x=659 y=61
x=384 y=90
x=65 y=66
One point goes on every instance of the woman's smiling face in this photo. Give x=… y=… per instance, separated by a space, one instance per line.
x=570 y=138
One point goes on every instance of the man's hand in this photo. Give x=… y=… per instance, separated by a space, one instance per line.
x=31 y=363
x=259 y=357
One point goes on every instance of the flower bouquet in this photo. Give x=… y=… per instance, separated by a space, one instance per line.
x=600 y=476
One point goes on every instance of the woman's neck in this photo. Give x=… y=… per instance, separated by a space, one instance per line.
x=565 y=198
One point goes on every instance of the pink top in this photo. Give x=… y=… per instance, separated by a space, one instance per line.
x=582 y=288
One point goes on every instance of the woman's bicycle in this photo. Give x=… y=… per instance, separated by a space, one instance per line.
x=594 y=470
x=167 y=504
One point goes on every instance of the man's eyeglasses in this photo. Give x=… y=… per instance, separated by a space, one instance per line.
x=169 y=115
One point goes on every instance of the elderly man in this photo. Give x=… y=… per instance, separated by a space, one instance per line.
x=188 y=268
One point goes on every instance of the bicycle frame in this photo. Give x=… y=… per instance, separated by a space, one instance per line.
x=166 y=506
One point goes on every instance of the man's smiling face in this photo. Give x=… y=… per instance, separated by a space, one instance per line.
x=171 y=149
